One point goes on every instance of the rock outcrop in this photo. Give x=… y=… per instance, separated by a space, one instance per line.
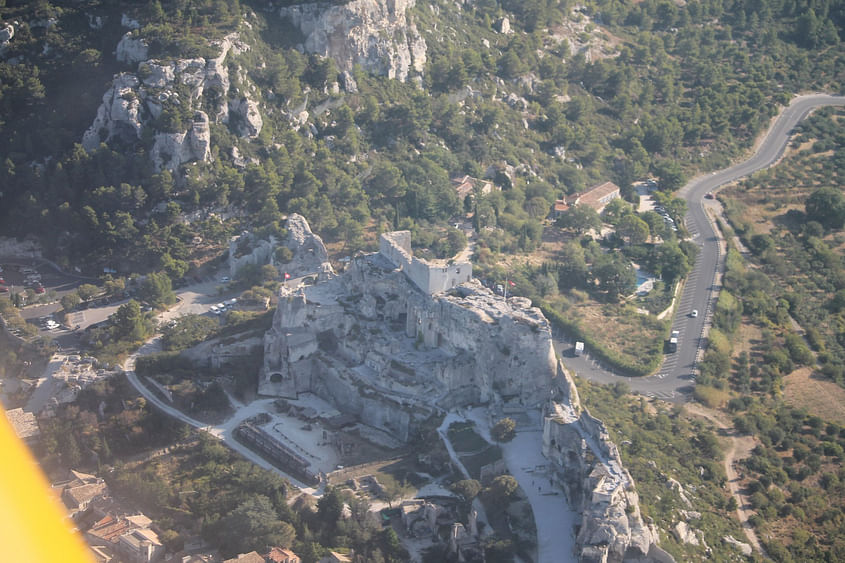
x=136 y=100
x=587 y=465
x=119 y=116
x=7 y=32
x=376 y=34
x=170 y=150
x=309 y=253
x=742 y=546
x=132 y=49
x=375 y=345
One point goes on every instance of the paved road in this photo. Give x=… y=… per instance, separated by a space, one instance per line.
x=675 y=378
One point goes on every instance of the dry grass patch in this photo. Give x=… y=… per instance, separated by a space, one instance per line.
x=822 y=398
x=747 y=336
x=618 y=328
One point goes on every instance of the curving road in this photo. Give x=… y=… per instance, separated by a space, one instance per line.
x=676 y=376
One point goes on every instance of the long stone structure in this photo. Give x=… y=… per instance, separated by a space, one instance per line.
x=429 y=278
x=394 y=340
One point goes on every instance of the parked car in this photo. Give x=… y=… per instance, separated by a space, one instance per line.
x=4 y=290
x=709 y=195
x=40 y=289
x=225 y=279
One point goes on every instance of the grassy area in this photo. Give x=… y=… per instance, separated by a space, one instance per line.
x=464 y=438
x=627 y=340
x=809 y=392
x=473 y=450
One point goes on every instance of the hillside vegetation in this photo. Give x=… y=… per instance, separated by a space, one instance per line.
x=775 y=354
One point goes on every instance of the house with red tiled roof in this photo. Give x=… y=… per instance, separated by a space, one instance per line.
x=599 y=196
x=559 y=208
x=280 y=555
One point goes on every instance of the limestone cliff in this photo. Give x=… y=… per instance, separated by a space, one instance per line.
x=375 y=345
x=137 y=100
x=587 y=465
x=379 y=35
x=379 y=344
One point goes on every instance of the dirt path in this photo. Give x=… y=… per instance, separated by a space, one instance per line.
x=740 y=448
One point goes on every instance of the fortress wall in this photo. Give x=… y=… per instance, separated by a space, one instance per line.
x=596 y=429
x=430 y=279
x=396 y=247
x=444 y=279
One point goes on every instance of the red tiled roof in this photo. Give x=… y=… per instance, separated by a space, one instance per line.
x=280 y=555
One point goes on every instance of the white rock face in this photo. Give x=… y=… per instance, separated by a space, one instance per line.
x=685 y=534
x=170 y=150
x=135 y=100
x=247 y=122
x=131 y=49
x=6 y=34
x=309 y=253
x=119 y=114
x=377 y=34
x=742 y=546
x=391 y=353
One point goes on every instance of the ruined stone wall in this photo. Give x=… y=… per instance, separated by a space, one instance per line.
x=429 y=278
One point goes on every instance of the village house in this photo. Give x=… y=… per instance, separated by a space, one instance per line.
x=79 y=490
x=596 y=197
x=123 y=538
x=24 y=425
x=335 y=557
x=280 y=555
x=466 y=185
x=251 y=557
x=599 y=196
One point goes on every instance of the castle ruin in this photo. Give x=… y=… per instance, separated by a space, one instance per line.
x=395 y=340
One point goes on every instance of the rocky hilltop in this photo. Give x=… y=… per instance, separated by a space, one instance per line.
x=153 y=96
x=378 y=343
x=379 y=35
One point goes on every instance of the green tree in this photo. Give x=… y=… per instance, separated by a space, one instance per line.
x=633 y=229
x=501 y=490
x=467 y=488
x=616 y=209
x=87 y=291
x=330 y=507
x=129 y=322
x=826 y=206
x=253 y=525
x=157 y=290
x=70 y=301
x=580 y=218
x=615 y=275
x=670 y=175
x=504 y=430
